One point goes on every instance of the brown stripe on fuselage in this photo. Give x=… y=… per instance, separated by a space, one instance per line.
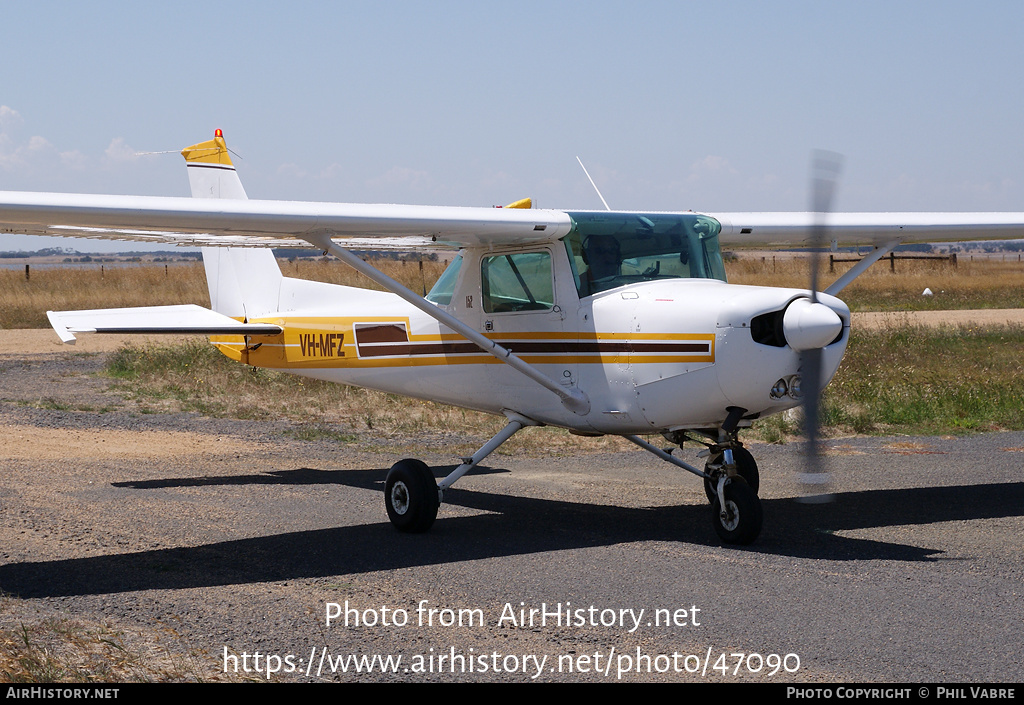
x=534 y=348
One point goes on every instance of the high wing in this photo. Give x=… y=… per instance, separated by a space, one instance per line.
x=190 y=221
x=794 y=228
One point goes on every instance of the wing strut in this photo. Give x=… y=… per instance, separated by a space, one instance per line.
x=869 y=259
x=574 y=399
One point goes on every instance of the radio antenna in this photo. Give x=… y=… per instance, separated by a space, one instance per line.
x=593 y=184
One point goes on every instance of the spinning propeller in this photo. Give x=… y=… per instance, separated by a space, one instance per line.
x=814 y=480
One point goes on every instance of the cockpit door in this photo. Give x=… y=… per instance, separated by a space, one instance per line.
x=527 y=304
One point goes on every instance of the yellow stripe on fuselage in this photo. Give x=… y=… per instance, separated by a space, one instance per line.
x=318 y=343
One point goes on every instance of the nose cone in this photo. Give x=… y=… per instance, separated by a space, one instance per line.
x=808 y=325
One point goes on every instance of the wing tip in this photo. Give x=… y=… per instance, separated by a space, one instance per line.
x=60 y=329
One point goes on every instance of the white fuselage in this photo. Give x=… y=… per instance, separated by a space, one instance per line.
x=657 y=355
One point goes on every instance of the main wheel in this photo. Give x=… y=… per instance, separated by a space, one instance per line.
x=410 y=495
x=741 y=521
x=746 y=467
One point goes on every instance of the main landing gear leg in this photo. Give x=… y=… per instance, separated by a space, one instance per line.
x=410 y=493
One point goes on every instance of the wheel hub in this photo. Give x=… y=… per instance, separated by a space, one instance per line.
x=400 y=498
x=730 y=516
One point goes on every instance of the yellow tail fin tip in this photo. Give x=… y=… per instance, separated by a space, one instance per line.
x=213 y=151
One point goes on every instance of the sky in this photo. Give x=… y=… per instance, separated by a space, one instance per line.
x=670 y=105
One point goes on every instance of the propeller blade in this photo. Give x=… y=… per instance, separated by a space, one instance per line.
x=825 y=168
x=815 y=479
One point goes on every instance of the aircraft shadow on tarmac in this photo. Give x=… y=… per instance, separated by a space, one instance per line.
x=513 y=526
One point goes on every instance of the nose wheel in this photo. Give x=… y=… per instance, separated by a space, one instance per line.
x=746 y=467
x=739 y=519
x=735 y=508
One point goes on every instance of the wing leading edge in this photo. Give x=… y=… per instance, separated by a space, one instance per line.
x=795 y=228
x=248 y=223
x=222 y=215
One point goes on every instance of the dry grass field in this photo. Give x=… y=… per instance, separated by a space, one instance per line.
x=980 y=283
x=983 y=283
x=24 y=303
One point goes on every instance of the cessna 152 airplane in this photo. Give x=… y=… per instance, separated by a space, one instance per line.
x=598 y=322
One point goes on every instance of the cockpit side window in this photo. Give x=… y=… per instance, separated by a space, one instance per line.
x=518 y=281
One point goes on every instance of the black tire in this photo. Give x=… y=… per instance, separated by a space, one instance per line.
x=742 y=525
x=746 y=467
x=410 y=495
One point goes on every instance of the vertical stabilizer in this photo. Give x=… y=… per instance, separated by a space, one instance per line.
x=244 y=283
x=210 y=171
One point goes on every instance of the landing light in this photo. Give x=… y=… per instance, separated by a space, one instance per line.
x=794 y=386
x=787 y=386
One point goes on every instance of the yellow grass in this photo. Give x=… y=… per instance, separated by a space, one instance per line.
x=981 y=283
x=23 y=304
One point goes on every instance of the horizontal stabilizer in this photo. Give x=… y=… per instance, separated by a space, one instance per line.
x=187 y=318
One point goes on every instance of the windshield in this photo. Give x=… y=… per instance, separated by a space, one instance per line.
x=608 y=250
x=441 y=293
